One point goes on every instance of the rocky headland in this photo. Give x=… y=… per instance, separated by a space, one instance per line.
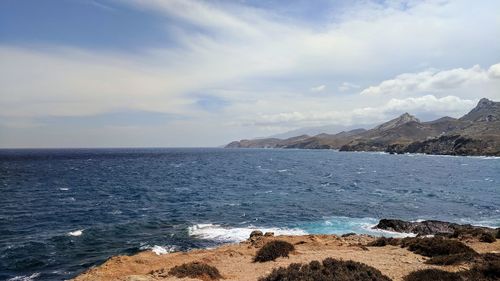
x=476 y=133
x=460 y=252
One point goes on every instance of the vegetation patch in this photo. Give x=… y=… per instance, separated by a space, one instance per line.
x=451 y=259
x=474 y=232
x=485 y=268
x=328 y=270
x=436 y=246
x=433 y=274
x=442 y=251
x=487 y=238
x=196 y=270
x=273 y=250
x=384 y=241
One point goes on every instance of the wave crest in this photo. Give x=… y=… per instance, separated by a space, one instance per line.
x=235 y=234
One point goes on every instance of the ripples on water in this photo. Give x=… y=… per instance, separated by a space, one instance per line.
x=62 y=211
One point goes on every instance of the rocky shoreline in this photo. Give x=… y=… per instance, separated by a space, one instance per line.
x=393 y=259
x=474 y=134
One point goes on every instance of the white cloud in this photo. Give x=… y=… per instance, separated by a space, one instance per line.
x=494 y=71
x=431 y=81
x=318 y=89
x=446 y=106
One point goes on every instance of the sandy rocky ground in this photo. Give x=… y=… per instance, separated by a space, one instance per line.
x=234 y=261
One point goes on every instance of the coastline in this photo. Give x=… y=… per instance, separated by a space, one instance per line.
x=234 y=261
x=476 y=156
x=489 y=156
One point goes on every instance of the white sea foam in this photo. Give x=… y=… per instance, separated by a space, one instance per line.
x=64 y=189
x=160 y=250
x=342 y=225
x=493 y=223
x=25 y=277
x=235 y=234
x=76 y=233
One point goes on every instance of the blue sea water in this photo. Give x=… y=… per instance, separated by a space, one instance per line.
x=63 y=211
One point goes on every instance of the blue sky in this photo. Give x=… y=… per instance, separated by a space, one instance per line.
x=87 y=73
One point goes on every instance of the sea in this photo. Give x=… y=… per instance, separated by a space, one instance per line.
x=63 y=211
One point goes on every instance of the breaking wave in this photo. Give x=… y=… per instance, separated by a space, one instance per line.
x=220 y=233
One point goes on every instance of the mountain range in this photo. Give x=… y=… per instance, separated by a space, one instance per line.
x=476 y=133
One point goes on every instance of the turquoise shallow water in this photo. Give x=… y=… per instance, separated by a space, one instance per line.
x=62 y=211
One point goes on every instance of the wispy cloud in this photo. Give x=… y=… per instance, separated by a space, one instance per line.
x=346 y=86
x=318 y=89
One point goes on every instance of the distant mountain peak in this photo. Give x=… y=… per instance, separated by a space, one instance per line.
x=485 y=111
x=485 y=102
x=396 y=122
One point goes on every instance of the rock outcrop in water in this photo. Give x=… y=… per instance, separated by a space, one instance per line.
x=476 y=133
x=431 y=227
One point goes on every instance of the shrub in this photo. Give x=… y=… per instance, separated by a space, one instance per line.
x=196 y=270
x=498 y=233
x=383 y=241
x=487 y=237
x=467 y=232
x=451 y=259
x=486 y=268
x=329 y=270
x=436 y=246
x=432 y=274
x=273 y=250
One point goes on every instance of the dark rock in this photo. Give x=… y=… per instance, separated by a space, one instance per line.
x=431 y=227
x=421 y=228
x=256 y=234
x=269 y=234
x=447 y=145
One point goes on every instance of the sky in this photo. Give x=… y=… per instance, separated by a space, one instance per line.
x=184 y=73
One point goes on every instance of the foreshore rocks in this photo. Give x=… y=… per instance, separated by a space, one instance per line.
x=447 y=145
x=236 y=262
x=433 y=227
